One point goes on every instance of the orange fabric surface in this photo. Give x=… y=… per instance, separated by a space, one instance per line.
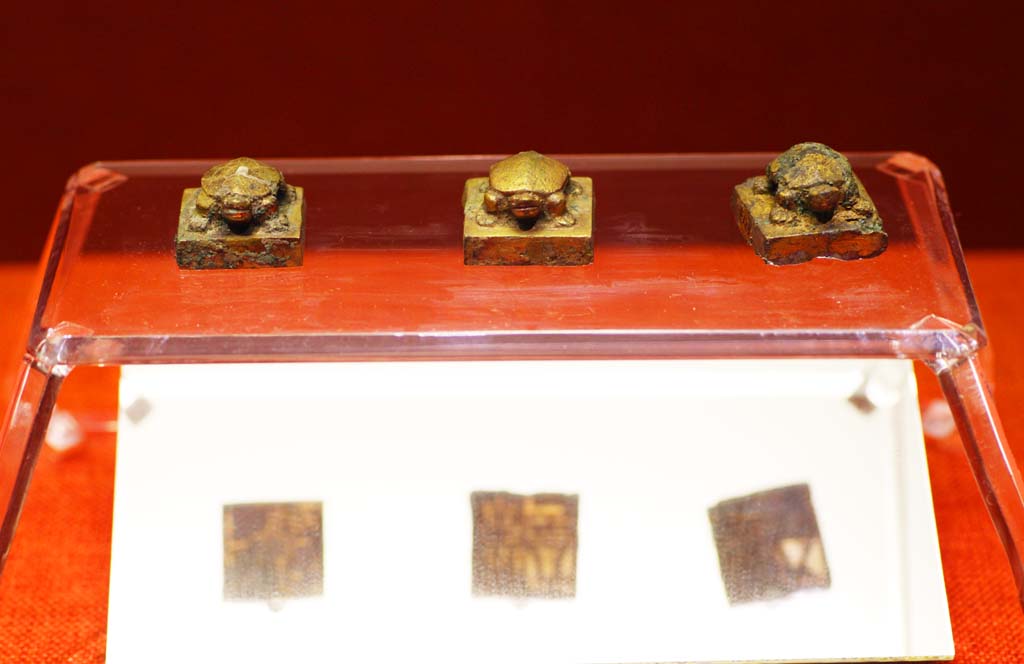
x=53 y=593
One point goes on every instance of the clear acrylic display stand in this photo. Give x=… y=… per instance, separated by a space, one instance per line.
x=384 y=279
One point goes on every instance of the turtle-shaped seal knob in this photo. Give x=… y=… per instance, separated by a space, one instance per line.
x=812 y=178
x=241 y=191
x=528 y=185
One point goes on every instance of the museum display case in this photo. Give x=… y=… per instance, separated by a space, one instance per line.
x=383 y=278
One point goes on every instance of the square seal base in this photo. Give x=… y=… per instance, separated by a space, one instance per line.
x=217 y=247
x=547 y=243
x=807 y=238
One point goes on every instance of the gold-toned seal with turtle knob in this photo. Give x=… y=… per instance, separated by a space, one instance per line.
x=808 y=204
x=530 y=210
x=242 y=215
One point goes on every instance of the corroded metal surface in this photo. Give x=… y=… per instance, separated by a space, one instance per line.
x=808 y=204
x=524 y=546
x=529 y=211
x=769 y=545
x=243 y=215
x=273 y=551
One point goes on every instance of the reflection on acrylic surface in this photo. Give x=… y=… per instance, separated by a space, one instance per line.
x=769 y=545
x=273 y=551
x=524 y=546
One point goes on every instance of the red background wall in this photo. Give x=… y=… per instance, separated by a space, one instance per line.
x=83 y=81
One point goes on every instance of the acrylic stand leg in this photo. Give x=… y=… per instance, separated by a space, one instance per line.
x=995 y=469
x=22 y=435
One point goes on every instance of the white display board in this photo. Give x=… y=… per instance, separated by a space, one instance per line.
x=394 y=451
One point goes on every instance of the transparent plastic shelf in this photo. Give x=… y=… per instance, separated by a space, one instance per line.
x=384 y=279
